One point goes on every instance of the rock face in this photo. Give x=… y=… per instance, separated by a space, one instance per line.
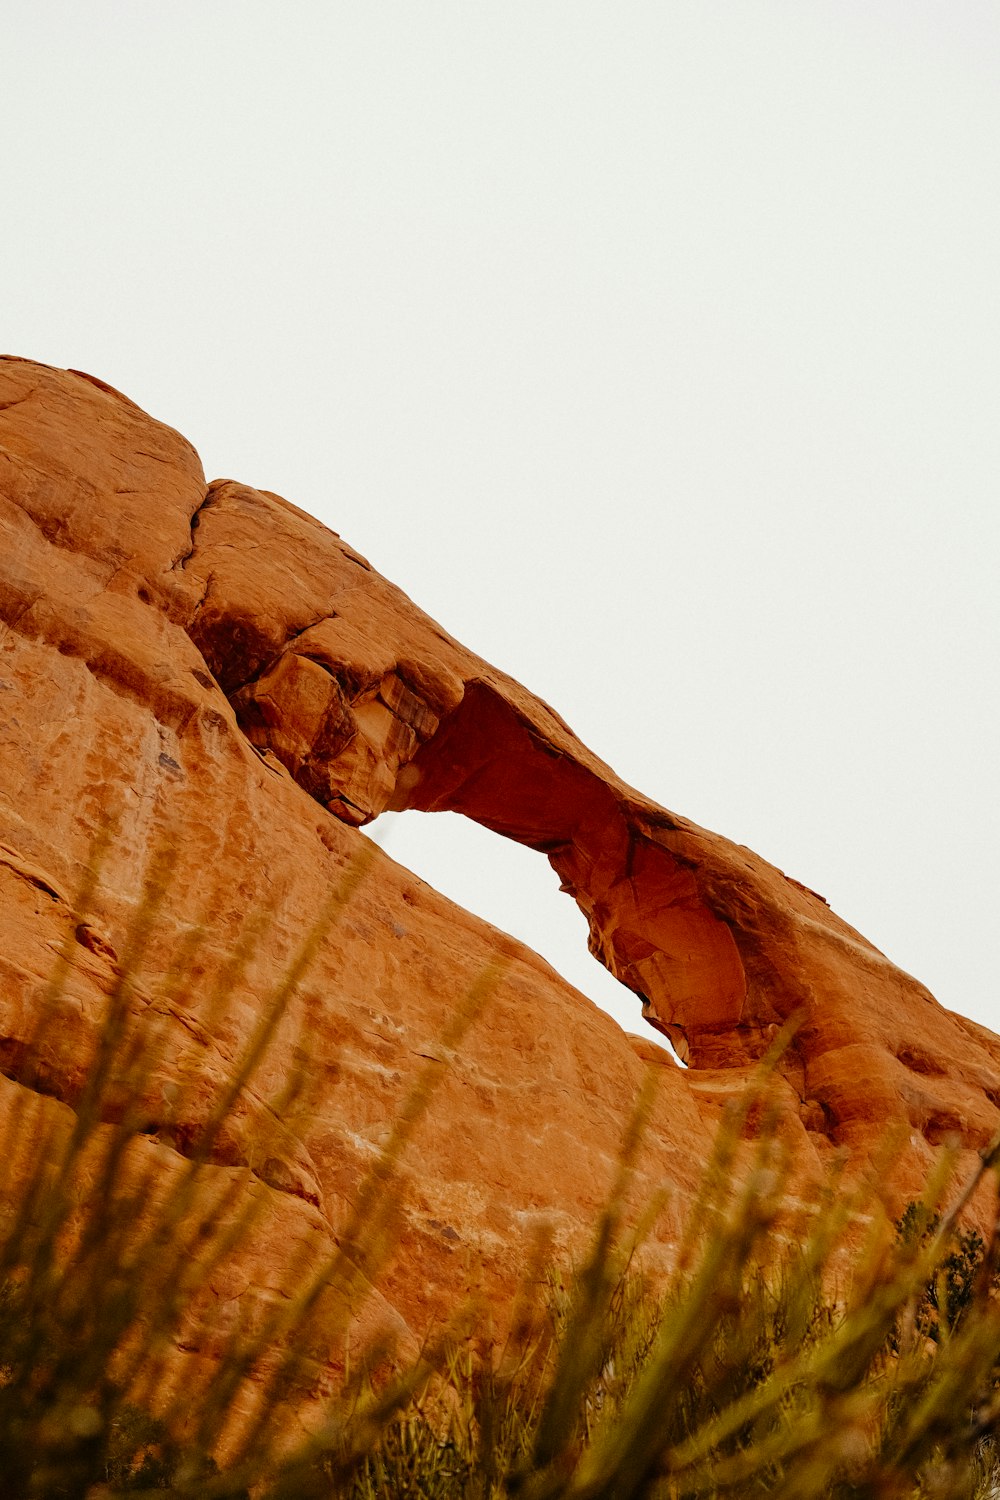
x=215 y=673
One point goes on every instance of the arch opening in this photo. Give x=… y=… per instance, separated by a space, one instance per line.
x=508 y=885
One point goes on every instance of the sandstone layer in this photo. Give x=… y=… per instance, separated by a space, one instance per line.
x=205 y=668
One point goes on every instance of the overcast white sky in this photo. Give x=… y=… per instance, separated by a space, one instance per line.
x=653 y=348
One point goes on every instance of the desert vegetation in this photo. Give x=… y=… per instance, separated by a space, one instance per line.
x=855 y=1358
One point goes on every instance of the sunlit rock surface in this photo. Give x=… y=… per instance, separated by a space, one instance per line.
x=207 y=669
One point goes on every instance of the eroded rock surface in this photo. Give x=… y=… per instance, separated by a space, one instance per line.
x=217 y=673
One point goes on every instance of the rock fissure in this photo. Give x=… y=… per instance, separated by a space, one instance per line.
x=16 y=401
x=31 y=874
x=181 y=561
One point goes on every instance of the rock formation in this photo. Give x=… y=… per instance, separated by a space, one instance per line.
x=208 y=669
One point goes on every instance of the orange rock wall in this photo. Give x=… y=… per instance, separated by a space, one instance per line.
x=217 y=673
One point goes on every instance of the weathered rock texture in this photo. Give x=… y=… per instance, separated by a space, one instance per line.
x=214 y=671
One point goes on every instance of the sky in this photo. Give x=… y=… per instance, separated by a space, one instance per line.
x=653 y=348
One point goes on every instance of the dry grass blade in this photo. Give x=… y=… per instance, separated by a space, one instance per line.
x=743 y=1376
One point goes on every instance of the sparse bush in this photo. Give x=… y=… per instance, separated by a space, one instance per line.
x=950 y=1293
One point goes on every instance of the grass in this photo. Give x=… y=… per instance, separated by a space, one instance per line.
x=856 y=1363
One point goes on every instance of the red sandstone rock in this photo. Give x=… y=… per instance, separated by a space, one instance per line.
x=214 y=671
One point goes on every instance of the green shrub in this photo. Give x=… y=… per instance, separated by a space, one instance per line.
x=950 y=1293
